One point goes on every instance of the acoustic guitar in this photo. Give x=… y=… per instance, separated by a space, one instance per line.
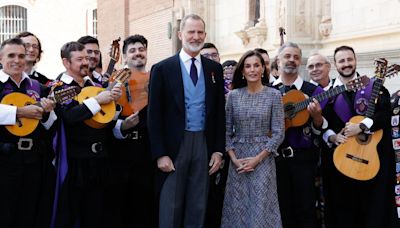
x=295 y=102
x=25 y=126
x=115 y=53
x=358 y=158
x=107 y=112
x=134 y=93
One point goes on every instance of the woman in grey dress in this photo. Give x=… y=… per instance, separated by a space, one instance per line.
x=254 y=130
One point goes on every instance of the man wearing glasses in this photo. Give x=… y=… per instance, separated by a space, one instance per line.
x=318 y=67
x=33 y=52
x=93 y=50
x=210 y=52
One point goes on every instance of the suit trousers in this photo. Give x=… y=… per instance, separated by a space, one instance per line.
x=183 y=198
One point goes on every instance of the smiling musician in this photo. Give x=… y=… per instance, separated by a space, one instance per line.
x=82 y=194
x=21 y=157
x=297 y=160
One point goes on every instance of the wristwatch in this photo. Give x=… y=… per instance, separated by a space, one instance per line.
x=363 y=127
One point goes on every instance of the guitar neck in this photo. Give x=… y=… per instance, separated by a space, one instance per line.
x=374 y=96
x=110 y=68
x=320 y=97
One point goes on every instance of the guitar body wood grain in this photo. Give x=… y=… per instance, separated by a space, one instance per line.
x=292 y=118
x=358 y=157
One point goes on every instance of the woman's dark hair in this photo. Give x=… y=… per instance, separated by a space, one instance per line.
x=238 y=80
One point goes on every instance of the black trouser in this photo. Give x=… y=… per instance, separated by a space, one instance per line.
x=82 y=196
x=216 y=196
x=130 y=194
x=296 y=189
x=20 y=188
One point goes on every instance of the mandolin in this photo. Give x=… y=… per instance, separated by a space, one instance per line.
x=107 y=112
x=358 y=158
x=295 y=102
x=25 y=126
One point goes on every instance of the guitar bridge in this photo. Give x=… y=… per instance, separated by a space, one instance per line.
x=357 y=159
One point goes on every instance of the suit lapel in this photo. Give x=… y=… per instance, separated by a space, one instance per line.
x=208 y=75
x=176 y=82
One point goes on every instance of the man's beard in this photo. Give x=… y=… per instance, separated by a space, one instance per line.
x=349 y=75
x=193 y=48
x=288 y=70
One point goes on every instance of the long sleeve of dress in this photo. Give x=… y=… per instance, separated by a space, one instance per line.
x=229 y=133
x=277 y=125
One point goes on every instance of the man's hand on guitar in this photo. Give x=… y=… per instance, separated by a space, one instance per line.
x=104 y=97
x=47 y=104
x=314 y=108
x=130 y=121
x=352 y=129
x=30 y=112
x=339 y=138
x=116 y=92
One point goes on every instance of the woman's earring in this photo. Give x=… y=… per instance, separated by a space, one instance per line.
x=242 y=76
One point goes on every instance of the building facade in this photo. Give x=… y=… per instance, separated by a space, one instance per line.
x=371 y=27
x=54 y=22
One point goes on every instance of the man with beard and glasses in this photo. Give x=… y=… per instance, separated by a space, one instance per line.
x=93 y=51
x=33 y=53
x=186 y=123
x=81 y=199
x=298 y=154
x=359 y=203
x=131 y=190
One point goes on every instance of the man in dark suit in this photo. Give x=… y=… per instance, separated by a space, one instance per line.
x=186 y=121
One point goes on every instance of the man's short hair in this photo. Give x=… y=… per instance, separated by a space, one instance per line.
x=12 y=41
x=88 y=40
x=289 y=44
x=134 y=39
x=343 y=48
x=261 y=51
x=209 y=45
x=26 y=34
x=69 y=47
x=191 y=16
x=229 y=63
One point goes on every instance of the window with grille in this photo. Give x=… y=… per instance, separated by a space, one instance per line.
x=94 y=23
x=13 y=20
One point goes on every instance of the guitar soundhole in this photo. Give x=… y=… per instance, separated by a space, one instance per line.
x=19 y=122
x=363 y=138
x=289 y=111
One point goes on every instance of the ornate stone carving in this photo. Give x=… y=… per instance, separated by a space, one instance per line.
x=325 y=26
x=253 y=36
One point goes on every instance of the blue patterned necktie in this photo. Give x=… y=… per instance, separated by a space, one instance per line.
x=193 y=72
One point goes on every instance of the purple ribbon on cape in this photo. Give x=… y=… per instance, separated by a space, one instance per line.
x=342 y=108
x=60 y=147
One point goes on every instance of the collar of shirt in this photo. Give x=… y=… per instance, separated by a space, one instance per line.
x=338 y=82
x=4 y=78
x=68 y=79
x=187 y=60
x=297 y=83
x=326 y=87
x=97 y=76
